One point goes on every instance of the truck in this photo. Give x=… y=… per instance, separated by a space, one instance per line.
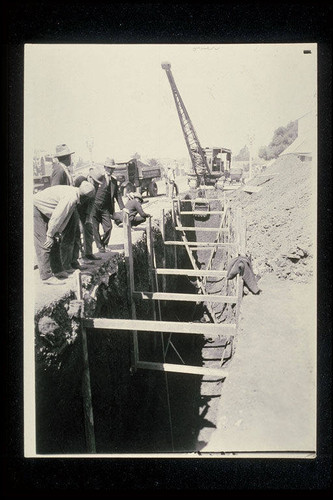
x=42 y=173
x=134 y=175
x=235 y=175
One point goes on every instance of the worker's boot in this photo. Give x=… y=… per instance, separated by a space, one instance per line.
x=53 y=280
x=92 y=257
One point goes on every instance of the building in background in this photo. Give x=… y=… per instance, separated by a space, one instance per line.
x=304 y=146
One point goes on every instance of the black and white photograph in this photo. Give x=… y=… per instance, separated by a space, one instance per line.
x=170 y=257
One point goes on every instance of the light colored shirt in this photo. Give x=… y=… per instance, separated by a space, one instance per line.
x=171 y=175
x=58 y=204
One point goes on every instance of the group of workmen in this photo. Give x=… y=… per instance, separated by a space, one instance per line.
x=69 y=213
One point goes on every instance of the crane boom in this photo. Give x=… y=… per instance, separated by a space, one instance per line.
x=197 y=155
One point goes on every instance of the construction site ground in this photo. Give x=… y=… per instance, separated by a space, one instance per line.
x=268 y=401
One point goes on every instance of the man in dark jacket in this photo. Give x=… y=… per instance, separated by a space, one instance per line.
x=106 y=194
x=133 y=207
x=70 y=238
x=61 y=172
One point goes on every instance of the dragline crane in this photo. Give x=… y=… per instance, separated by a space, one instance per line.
x=209 y=164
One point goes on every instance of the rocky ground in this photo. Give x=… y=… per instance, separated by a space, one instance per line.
x=281 y=219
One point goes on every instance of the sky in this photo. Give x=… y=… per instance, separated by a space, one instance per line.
x=119 y=96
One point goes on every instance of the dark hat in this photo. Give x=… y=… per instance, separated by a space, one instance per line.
x=109 y=162
x=63 y=150
x=78 y=180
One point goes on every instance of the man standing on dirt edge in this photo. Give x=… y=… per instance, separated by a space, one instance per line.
x=107 y=192
x=70 y=239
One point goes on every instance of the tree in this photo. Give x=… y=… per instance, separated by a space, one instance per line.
x=153 y=162
x=136 y=156
x=282 y=138
x=243 y=155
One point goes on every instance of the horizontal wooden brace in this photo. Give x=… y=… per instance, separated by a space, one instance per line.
x=160 y=326
x=197 y=243
x=189 y=272
x=202 y=212
x=197 y=199
x=194 y=370
x=186 y=297
x=207 y=229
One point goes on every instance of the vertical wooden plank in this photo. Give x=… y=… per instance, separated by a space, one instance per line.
x=240 y=248
x=150 y=251
x=86 y=384
x=130 y=288
x=87 y=397
x=164 y=253
x=174 y=223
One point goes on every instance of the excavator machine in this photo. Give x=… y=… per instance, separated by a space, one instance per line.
x=200 y=175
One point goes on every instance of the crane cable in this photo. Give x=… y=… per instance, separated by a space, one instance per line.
x=165 y=373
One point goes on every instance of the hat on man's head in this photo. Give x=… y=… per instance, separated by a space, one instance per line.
x=97 y=174
x=109 y=162
x=63 y=150
x=87 y=189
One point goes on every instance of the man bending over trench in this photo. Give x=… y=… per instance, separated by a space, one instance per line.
x=53 y=208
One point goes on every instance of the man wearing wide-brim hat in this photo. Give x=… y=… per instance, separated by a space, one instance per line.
x=70 y=240
x=107 y=192
x=61 y=173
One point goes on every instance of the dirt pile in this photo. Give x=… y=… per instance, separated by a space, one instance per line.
x=281 y=219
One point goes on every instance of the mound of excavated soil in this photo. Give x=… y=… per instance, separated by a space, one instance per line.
x=281 y=219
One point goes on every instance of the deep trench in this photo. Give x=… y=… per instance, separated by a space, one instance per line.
x=142 y=412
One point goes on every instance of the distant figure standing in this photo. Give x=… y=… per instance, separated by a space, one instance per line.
x=133 y=207
x=106 y=194
x=173 y=188
x=70 y=238
x=53 y=209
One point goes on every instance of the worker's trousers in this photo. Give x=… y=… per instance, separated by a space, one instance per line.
x=134 y=221
x=101 y=216
x=70 y=242
x=86 y=229
x=49 y=261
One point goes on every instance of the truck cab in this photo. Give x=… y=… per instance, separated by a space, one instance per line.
x=219 y=160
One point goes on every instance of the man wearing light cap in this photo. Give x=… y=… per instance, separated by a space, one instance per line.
x=53 y=209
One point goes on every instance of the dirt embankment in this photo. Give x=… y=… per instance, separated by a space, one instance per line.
x=281 y=219
x=268 y=401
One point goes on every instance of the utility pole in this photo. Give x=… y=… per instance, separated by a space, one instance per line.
x=251 y=138
x=90 y=145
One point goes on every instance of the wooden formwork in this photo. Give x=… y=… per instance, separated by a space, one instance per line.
x=156 y=326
